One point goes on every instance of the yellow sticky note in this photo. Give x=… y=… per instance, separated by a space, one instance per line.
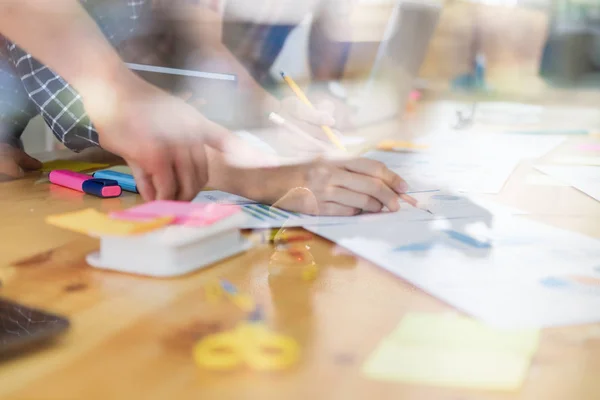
x=124 y=169
x=390 y=145
x=71 y=165
x=92 y=222
x=439 y=350
x=579 y=160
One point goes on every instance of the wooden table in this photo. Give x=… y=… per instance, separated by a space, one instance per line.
x=131 y=337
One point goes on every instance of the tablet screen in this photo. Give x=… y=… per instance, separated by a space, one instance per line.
x=21 y=326
x=213 y=94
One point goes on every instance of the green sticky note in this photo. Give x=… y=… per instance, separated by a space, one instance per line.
x=71 y=165
x=449 y=350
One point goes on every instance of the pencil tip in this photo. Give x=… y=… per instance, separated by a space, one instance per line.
x=282 y=74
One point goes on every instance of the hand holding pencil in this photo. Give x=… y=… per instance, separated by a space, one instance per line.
x=277 y=119
x=332 y=137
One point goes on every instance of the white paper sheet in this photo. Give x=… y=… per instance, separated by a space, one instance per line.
x=487 y=146
x=425 y=172
x=441 y=204
x=539 y=179
x=519 y=274
x=217 y=196
x=466 y=162
x=583 y=178
x=578 y=160
x=534 y=118
x=471 y=162
x=503 y=113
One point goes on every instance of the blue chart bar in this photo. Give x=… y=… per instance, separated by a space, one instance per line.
x=454 y=235
x=416 y=246
x=252 y=213
x=266 y=213
x=553 y=282
x=468 y=240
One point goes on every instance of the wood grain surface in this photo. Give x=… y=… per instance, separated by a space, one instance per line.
x=131 y=337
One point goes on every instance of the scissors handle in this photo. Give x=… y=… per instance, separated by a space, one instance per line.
x=218 y=352
x=267 y=350
x=250 y=343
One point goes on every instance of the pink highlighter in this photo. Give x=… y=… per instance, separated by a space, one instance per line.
x=85 y=183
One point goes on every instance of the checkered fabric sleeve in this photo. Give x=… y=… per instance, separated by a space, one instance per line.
x=49 y=94
x=15 y=108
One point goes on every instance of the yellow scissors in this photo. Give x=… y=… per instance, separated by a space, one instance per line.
x=250 y=342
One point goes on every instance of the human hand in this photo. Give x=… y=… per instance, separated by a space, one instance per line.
x=310 y=120
x=329 y=187
x=160 y=136
x=14 y=162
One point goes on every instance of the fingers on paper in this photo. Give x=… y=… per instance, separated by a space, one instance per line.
x=368 y=185
x=353 y=199
x=377 y=170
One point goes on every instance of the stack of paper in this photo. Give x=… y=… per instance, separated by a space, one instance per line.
x=448 y=350
x=583 y=178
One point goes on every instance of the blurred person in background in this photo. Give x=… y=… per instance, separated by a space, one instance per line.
x=245 y=37
x=61 y=60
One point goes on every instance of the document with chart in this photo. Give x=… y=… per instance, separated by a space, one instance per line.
x=441 y=204
x=519 y=273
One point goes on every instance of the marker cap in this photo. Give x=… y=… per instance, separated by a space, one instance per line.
x=102 y=187
x=126 y=181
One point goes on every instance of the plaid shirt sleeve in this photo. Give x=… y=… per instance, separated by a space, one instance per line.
x=51 y=96
x=15 y=108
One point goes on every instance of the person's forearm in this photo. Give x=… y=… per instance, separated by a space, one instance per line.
x=221 y=176
x=60 y=34
x=255 y=175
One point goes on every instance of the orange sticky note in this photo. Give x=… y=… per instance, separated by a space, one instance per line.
x=94 y=223
x=391 y=145
x=71 y=165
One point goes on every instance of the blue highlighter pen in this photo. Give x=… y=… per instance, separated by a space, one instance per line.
x=126 y=181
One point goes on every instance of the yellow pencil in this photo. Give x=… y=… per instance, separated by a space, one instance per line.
x=300 y=94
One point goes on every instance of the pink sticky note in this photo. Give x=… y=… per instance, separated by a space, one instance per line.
x=415 y=95
x=191 y=214
x=589 y=147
